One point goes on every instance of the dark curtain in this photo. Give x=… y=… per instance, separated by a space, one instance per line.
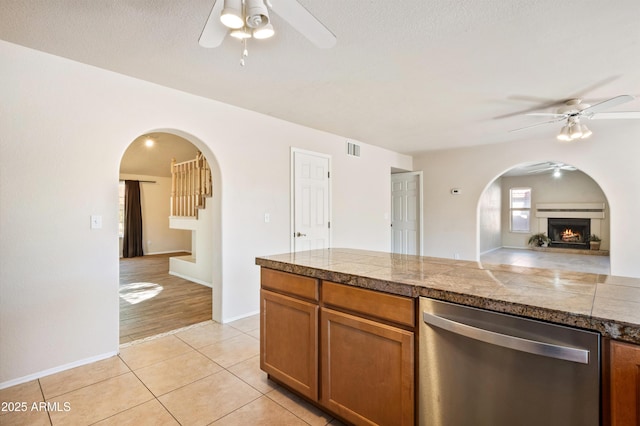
x=132 y=239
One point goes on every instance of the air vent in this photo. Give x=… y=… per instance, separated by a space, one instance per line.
x=353 y=149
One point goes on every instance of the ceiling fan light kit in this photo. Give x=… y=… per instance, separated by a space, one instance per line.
x=245 y=19
x=239 y=16
x=574 y=130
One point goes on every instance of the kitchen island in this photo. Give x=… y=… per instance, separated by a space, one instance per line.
x=606 y=304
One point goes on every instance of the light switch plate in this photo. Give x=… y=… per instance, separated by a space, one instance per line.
x=96 y=221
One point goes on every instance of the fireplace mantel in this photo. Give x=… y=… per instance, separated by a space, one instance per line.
x=570 y=210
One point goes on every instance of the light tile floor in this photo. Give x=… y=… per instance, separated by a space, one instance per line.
x=208 y=374
x=550 y=260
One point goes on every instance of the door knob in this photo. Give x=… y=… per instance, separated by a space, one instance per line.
x=298 y=234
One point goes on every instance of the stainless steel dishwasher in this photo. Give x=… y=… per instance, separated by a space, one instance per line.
x=478 y=367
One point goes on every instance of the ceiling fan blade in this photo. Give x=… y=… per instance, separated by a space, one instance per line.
x=546 y=105
x=304 y=22
x=594 y=86
x=547 y=114
x=539 y=124
x=607 y=104
x=540 y=170
x=213 y=32
x=615 y=115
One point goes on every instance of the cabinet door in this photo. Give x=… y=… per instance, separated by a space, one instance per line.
x=367 y=370
x=289 y=341
x=625 y=384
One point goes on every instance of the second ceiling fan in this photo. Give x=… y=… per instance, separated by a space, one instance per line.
x=573 y=111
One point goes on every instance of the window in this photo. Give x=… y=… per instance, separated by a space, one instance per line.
x=121 y=210
x=520 y=206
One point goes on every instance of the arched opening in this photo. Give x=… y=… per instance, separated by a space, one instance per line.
x=172 y=285
x=545 y=214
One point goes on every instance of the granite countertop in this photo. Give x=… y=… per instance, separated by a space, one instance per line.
x=603 y=303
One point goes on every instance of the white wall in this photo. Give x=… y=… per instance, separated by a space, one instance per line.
x=198 y=267
x=490 y=217
x=157 y=237
x=608 y=157
x=64 y=127
x=571 y=187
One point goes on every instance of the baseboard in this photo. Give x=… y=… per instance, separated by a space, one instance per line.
x=163 y=252
x=239 y=317
x=490 y=250
x=167 y=252
x=54 y=370
x=188 y=278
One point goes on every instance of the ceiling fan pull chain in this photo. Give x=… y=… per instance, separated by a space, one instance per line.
x=245 y=52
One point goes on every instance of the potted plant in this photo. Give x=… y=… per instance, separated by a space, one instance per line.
x=594 y=242
x=539 y=240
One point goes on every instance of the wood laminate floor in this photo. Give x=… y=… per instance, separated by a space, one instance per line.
x=154 y=302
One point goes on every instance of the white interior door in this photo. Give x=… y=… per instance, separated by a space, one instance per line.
x=406 y=207
x=311 y=201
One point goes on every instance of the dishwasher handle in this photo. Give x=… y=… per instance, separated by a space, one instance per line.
x=517 y=343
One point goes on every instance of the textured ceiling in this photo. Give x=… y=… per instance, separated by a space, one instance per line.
x=155 y=160
x=409 y=75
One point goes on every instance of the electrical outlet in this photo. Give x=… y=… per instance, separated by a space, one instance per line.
x=267 y=218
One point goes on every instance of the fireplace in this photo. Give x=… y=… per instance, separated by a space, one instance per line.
x=569 y=232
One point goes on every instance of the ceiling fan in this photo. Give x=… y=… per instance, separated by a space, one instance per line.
x=536 y=168
x=573 y=110
x=548 y=166
x=539 y=168
x=244 y=19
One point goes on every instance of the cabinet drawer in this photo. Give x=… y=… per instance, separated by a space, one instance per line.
x=372 y=303
x=295 y=285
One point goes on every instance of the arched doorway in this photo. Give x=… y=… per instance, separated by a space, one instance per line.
x=545 y=198
x=172 y=285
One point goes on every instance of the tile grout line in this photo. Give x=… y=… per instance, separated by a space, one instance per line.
x=45 y=399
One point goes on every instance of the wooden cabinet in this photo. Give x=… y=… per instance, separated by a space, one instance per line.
x=348 y=349
x=624 y=381
x=289 y=331
x=367 y=370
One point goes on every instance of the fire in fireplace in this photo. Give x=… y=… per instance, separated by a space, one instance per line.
x=569 y=236
x=569 y=233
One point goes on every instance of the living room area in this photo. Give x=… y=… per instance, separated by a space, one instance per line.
x=545 y=215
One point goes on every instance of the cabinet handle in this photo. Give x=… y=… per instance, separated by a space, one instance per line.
x=298 y=234
x=511 y=342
